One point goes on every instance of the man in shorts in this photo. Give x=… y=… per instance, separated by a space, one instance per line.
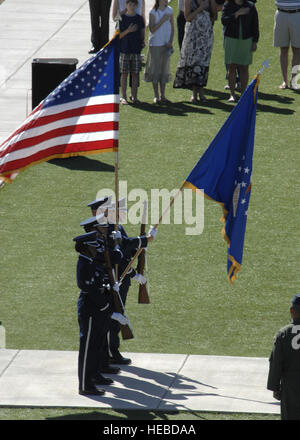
x=286 y=34
x=132 y=40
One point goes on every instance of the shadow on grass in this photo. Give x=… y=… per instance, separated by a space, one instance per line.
x=82 y=163
x=172 y=108
x=217 y=101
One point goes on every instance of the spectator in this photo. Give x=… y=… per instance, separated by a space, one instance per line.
x=220 y=4
x=241 y=34
x=99 y=12
x=132 y=36
x=119 y=8
x=157 y=70
x=192 y=69
x=180 y=23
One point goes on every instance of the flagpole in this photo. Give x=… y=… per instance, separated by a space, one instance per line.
x=117 y=188
x=169 y=207
x=117 y=200
x=126 y=270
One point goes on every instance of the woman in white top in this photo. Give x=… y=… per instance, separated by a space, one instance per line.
x=157 y=70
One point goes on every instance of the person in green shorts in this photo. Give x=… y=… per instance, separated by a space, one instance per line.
x=241 y=34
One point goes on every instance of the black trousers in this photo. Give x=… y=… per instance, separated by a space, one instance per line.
x=93 y=330
x=99 y=11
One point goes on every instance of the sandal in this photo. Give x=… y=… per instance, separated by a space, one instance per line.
x=283 y=86
x=135 y=100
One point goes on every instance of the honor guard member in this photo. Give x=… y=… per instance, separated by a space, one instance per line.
x=121 y=257
x=104 y=206
x=95 y=311
x=99 y=225
x=128 y=247
x=284 y=368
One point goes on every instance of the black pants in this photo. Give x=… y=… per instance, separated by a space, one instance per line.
x=99 y=10
x=93 y=330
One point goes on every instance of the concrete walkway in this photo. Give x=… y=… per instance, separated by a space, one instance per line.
x=153 y=382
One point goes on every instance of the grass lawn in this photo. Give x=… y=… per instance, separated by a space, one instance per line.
x=193 y=308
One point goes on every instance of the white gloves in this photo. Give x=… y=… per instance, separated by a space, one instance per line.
x=119 y=317
x=152 y=232
x=140 y=278
x=116 y=287
x=116 y=235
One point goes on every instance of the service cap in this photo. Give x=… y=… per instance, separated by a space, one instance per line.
x=97 y=220
x=94 y=205
x=296 y=300
x=88 y=238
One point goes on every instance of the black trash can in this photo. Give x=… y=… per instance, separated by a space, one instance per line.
x=47 y=74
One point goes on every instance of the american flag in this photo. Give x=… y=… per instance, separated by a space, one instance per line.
x=80 y=117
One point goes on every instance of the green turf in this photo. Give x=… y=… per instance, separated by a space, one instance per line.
x=193 y=308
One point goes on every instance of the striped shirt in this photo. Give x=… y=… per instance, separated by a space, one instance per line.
x=288 y=4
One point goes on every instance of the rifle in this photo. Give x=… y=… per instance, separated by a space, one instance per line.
x=119 y=306
x=143 y=297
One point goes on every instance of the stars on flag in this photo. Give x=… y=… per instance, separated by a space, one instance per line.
x=90 y=79
x=244 y=183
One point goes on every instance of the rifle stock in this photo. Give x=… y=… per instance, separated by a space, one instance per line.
x=119 y=306
x=143 y=294
x=143 y=297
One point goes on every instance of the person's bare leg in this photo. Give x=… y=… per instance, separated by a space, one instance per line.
x=284 y=63
x=156 y=93
x=134 y=85
x=162 y=91
x=123 y=99
x=244 y=76
x=232 y=81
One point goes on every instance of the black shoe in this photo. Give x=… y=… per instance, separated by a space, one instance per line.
x=93 y=50
x=101 y=380
x=91 y=390
x=119 y=359
x=110 y=370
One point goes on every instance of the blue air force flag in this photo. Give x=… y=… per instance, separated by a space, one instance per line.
x=223 y=174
